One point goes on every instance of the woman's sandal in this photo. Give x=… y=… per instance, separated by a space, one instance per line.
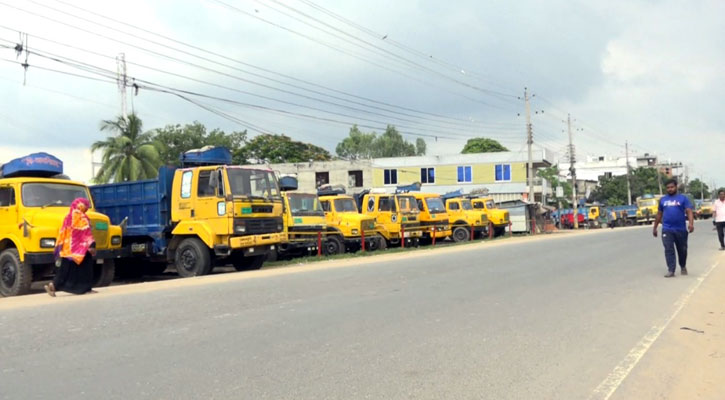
x=50 y=289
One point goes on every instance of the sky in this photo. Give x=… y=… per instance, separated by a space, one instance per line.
x=647 y=72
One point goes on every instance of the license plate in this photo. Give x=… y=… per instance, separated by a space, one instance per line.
x=138 y=247
x=406 y=234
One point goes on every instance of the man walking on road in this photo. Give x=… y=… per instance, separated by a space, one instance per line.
x=719 y=216
x=671 y=212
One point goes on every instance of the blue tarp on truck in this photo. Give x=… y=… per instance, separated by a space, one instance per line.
x=146 y=204
x=36 y=164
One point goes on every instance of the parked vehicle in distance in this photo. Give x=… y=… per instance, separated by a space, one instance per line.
x=704 y=211
x=647 y=206
x=396 y=216
x=499 y=218
x=203 y=214
x=34 y=199
x=342 y=216
x=433 y=217
x=463 y=216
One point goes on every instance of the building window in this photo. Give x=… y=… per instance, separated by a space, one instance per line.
x=427 y=175
x=391 y=176
x=503 y=172
x=322 y=178
x=354 y=179
x=464 y=174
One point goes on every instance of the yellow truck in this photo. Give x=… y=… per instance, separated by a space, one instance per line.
x=464 y=218
x=499 y=218
x=204 y=214
x=396 y=216
x=704 y=210
x=433 y=218
x=34 y=200
x=647 y=206
x=343 y=218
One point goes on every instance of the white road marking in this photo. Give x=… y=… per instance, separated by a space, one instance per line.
x=606 y=389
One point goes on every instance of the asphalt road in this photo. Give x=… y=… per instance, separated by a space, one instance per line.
x=546 y=318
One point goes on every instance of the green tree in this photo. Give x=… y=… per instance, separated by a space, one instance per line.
x=392 y=144
x=357 y=145
x=177 y=139
x=128 y=155
x=269 y=148
x=420 y=147
x=482 y=145
x=360 y=145
x=551 y=174
x=698 y=188
x=613 y=190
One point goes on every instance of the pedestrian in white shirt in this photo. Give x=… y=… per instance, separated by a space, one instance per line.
x=719 y=216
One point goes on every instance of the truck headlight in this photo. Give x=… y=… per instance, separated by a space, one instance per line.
x=115 y=240
x=355 y=231
x=47 y=243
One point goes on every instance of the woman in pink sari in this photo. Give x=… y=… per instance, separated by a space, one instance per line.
x=74 y=251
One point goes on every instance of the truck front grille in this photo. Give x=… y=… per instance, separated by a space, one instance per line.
x=261 y=209
x=258 y=226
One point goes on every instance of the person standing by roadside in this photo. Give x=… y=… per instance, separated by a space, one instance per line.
x=671 y=212
x=718 y=216
x=74 y=249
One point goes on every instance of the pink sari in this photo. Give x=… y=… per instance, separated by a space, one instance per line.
x=75 y=236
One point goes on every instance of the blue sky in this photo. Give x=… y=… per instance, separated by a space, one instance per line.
x=647 y=72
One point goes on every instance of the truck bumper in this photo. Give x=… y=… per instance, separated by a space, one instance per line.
x=241 y=242
x=39 y=258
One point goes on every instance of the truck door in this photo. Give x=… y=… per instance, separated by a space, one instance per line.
x=209 y=204
x=8 y=211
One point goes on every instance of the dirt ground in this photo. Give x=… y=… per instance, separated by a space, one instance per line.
x=687 y=361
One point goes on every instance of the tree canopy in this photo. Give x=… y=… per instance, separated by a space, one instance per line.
x=698 y=188
x=268 y=148
x=176 y=139
x=551 y=174
x=613 y=190
x=483 y=145
x=361 y=145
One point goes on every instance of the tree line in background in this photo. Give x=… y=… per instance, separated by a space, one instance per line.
x=130 y=154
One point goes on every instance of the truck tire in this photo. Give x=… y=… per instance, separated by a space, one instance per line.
x=192 y=258
x=333 y=245
x=15 y=276
x=249 y=263
x=103 y=273
x=461 y=234
x=382 y=243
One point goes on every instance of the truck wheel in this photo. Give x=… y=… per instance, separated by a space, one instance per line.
x=272 y=256
x=333 y=245
x=103 y=273
x=192 y=258
x=249 y=263
x=461 y=234
x=15 y=276
x=382 y=243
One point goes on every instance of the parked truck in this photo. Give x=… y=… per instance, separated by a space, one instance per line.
x=34 y=199
x=433 y=217
x=396 y=215
x=342 y=217
x=205 y=213
x=647 y=207
x=499 y=218
x=464 y=218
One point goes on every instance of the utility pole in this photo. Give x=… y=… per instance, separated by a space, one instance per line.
x=122 y=80
x=572 y=160
x=529 y=141
x=629 y=189
x=659 y=177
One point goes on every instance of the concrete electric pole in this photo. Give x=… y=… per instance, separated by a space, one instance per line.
x=122 y=80
x=629 y=188
x=530 y=142
x=572 y=160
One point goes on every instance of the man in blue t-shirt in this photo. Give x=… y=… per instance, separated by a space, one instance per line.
x=671 y=212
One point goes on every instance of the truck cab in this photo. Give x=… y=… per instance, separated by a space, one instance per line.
x=499 y=218
x=647 y=208
x=204 y=214
x=34 y=200
x=396 y=216
x=704 y=210
x=342 y=216
x=464 y=217
x=433 y=218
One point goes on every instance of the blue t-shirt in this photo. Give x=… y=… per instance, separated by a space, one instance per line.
x=673 y=212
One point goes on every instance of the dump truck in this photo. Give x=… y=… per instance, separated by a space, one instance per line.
x=34 y=199
x=396 y=216
x=203 y=214
x=704 y=210
x=433 y=218
x=343 y=217
x=464 y=218
x=647 y=207
x=498 y=218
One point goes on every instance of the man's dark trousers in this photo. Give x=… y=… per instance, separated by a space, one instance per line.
x=675 y=240
x=720 y=226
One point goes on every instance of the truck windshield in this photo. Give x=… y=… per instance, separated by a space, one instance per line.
x=51 y=194
x=466 y=205
x=253 y=183
x=648 y=203
x=304 y=204
x=345 y=205
x=435 y=205
x=407 y=204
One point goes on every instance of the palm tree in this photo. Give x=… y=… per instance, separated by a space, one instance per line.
x=129 y=155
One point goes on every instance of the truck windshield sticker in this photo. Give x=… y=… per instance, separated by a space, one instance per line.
x=246 y=210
